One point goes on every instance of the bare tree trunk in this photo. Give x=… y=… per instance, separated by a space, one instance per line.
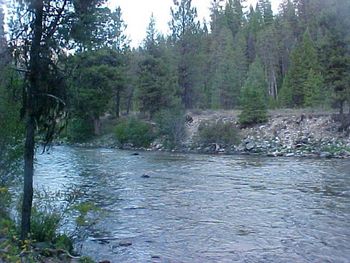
x=97 y=126
x=129 y=102
x=117 y=103
x=28 y=177
x=31 y=97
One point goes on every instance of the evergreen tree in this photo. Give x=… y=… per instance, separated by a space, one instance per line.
x=225 y=88
x=234 y=15
x=96 y=74
x=155 y=83
x=254 y=25
x=254 y=96
x=184 y=30
x=287 y=33
x=335 y=59
x=269 y=53
x=266 y=11
x=303 y=59
x=3 y=44
x=314 y=90
x=40 y=49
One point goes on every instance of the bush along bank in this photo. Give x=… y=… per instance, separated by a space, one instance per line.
x=299 y=135
x=284 y=134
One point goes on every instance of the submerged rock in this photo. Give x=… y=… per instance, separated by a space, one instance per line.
x=326 y=155
x=125 y=243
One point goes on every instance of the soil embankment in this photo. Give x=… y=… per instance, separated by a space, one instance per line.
x=300 y=133
x=287 y=133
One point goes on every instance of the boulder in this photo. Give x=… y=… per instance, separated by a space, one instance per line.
x=250 y=146
x=325 y=155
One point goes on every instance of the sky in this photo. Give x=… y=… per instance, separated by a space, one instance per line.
x=136 y=14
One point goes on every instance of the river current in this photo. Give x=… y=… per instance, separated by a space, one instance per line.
x=202 y=208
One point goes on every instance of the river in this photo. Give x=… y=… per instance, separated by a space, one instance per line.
x=202 y=208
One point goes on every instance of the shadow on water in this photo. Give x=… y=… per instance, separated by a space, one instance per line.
x=201 y=208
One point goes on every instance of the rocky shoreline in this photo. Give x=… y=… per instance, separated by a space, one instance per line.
x=288 y=134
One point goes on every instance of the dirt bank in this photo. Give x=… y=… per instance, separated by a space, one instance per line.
x=287 y=133
x=302 y=133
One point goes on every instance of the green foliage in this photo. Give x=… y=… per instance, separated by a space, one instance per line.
x=155 y=85
x=314 y=89
x=86 y=260
x=228 y=65
x=84 y=209
x=99 y=77
x=171 y=126
x=218 y=132
x=254 y=98
x=44 y=225
x=79 y=129
x=335 y=58
x=5 y=198
x=63 y=242
x=303 y=84
x=11 y=127
x=9 y=246
x=134 y=131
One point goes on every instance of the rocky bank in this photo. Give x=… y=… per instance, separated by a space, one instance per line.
x=299 y=133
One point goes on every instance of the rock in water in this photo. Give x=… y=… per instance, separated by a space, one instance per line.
x=145 y=176
x=125 y=243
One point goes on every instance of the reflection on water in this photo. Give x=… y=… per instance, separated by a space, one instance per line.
x=199 y=208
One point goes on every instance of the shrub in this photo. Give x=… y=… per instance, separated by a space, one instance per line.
x=79 y=130
x=5 y=198
x=64 y=242
x=171 y=125
x=219 y=132
x=134 y=131
x=44 y=225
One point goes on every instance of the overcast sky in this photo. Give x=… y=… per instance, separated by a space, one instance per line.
x=136 y=14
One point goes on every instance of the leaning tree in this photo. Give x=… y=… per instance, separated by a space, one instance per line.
x=41 y=31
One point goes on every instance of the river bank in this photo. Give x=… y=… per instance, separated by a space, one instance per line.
x=289 y=133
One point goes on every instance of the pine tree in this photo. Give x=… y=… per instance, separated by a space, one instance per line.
x=254 y=25
x=155 y=81
x=266 y=11
x=303 y=59
x=3 y=44
x=224 y=85
x=314 y=89
x=185 y=28
x=269 y=54
x=335 y=59
x=287 y=33
x=254 y=96
x=44 y=93
x=233 y=15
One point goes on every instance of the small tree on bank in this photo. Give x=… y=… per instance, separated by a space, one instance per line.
x=254 y=96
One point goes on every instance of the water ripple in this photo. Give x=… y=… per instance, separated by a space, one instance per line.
x=198 y=208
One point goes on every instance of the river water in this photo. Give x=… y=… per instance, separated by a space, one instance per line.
x=201 y=208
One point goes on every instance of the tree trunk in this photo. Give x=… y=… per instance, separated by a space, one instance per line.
x=129 y=102
x=28 y=177
x=117 y=104
x=30 y=107
x=341 y=108
x=97 y=126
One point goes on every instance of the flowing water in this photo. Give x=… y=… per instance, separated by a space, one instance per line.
x=201 y=208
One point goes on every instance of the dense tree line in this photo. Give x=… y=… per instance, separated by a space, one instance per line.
x=303 y=51
x=73 y=58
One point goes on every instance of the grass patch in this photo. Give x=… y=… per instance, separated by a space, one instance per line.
x=218 y=132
